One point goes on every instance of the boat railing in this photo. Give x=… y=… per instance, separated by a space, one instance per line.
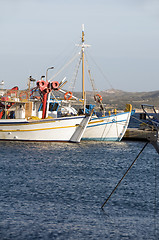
x=15 y=96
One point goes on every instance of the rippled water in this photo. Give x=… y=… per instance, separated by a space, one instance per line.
x=55 y=191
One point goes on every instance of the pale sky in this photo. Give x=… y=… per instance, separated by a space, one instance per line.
x=123 y=34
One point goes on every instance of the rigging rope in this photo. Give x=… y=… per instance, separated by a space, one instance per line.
x=72 y=83
x=101 y=72
x=67 y=64
x=91 y=79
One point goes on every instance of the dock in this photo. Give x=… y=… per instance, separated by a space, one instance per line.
x=137 y=134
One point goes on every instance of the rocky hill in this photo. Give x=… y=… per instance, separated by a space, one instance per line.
x=113 y=98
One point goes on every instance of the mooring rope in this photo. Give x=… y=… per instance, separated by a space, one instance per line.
x=124 y=175
x=142 y=122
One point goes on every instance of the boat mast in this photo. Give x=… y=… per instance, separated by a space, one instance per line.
x=83 y=46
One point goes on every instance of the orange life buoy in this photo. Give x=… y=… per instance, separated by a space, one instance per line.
x=99 y=99
x=38 y=82
x=23 y=95
x=65 y=96
x=42 y=85
x=55 y=85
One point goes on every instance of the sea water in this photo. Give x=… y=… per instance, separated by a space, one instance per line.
x=56 y=190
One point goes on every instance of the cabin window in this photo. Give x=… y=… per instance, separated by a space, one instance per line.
x=53 y=106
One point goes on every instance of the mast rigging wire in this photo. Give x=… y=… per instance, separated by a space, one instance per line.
x=101 y=71
x=72 y=83
x=90 y=77
x=67 y=64
x=67 y=51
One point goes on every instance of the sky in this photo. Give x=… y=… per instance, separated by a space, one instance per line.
x=123 y=34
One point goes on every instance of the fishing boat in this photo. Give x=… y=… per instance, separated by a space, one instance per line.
x=27 y=117
x=109 y=126
x=23 y=117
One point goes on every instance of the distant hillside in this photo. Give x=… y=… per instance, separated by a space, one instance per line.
x=117 y=99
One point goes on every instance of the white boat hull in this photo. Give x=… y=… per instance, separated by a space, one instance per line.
x=108 y=128
x=60 y=129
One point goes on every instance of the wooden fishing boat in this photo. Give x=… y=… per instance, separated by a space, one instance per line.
x=24 y=119
x=108 y=127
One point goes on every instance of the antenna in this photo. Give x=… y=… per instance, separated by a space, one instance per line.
x=83 y=27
